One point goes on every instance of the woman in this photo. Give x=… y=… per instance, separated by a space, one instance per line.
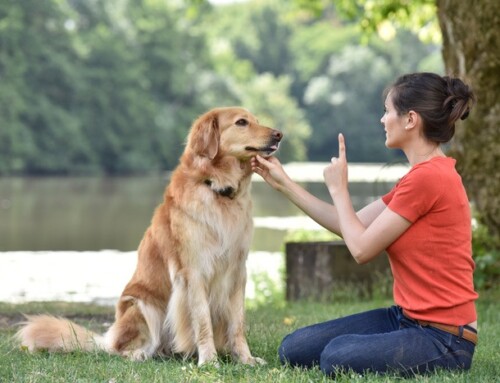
x=423 y=223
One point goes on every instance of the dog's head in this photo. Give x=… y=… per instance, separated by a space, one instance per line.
x=232 y=131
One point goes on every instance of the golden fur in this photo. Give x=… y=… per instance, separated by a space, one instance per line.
x=187 y=293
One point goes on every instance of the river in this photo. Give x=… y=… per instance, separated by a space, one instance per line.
x=74 y=238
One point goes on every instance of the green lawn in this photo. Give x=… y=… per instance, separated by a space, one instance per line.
x=267 y=324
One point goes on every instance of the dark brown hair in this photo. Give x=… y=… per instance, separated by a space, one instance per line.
x=440 y=101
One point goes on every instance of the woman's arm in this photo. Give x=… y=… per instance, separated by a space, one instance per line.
x=365 y=238
x=320 y=211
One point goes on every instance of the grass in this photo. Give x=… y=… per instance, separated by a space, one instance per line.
x=267 y=324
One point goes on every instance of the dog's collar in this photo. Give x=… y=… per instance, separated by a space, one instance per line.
x=228 y=191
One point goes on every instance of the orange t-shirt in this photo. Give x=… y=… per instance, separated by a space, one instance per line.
x=432 y=261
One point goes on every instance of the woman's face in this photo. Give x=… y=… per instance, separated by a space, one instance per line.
x=394 y=125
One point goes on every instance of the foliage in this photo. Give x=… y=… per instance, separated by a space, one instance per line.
x=268 y=292
x=486 y=256
x=37 y=60
x=310 y=236
x=334 y=102
x=384 y=17
x=111 y=86
x=97 y=79
x=308 y=47
x=268 y=97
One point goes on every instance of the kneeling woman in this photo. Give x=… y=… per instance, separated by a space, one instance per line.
x=423 y=223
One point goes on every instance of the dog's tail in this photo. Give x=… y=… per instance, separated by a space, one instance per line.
x=46 y=332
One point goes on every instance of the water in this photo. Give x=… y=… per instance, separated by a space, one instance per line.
x=92 y=213
x=74 y=239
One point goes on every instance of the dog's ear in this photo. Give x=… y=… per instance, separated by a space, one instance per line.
x=205 y=135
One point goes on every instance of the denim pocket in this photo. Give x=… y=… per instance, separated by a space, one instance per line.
x=456 y=352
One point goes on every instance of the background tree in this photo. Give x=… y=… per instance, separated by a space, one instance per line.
x=471 y=49
x=39 y=71
x=15 y=137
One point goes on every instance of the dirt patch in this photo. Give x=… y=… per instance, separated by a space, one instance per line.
x=10 y=321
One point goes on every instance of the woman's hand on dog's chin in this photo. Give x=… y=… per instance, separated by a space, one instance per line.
x=270 y=170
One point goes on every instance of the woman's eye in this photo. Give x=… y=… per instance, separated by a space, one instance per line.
x=242 y=122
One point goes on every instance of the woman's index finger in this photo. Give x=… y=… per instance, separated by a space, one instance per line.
x=341 y=146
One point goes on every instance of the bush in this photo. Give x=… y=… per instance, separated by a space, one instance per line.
x=486 y=252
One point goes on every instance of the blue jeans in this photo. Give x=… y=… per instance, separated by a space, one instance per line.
x=381 y=340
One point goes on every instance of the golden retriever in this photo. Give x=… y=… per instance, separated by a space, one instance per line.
x=187 y=293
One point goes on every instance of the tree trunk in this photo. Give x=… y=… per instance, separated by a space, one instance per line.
x=316 y=270
x=471 y=50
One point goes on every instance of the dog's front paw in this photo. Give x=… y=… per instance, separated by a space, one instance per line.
x=136 y=355
x=253 y=361
x=208 y=359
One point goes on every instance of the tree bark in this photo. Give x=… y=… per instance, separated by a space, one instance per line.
x=471 y=50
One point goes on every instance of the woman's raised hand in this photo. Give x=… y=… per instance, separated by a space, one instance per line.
x=335 y=174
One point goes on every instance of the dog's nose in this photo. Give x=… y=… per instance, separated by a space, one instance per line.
x=277 y=135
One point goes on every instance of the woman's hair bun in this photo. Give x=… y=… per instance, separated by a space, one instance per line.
x=459 y=99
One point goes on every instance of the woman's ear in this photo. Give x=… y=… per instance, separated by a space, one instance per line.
x=413 y=119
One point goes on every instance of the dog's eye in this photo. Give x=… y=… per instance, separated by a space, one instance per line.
x=242 y=122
